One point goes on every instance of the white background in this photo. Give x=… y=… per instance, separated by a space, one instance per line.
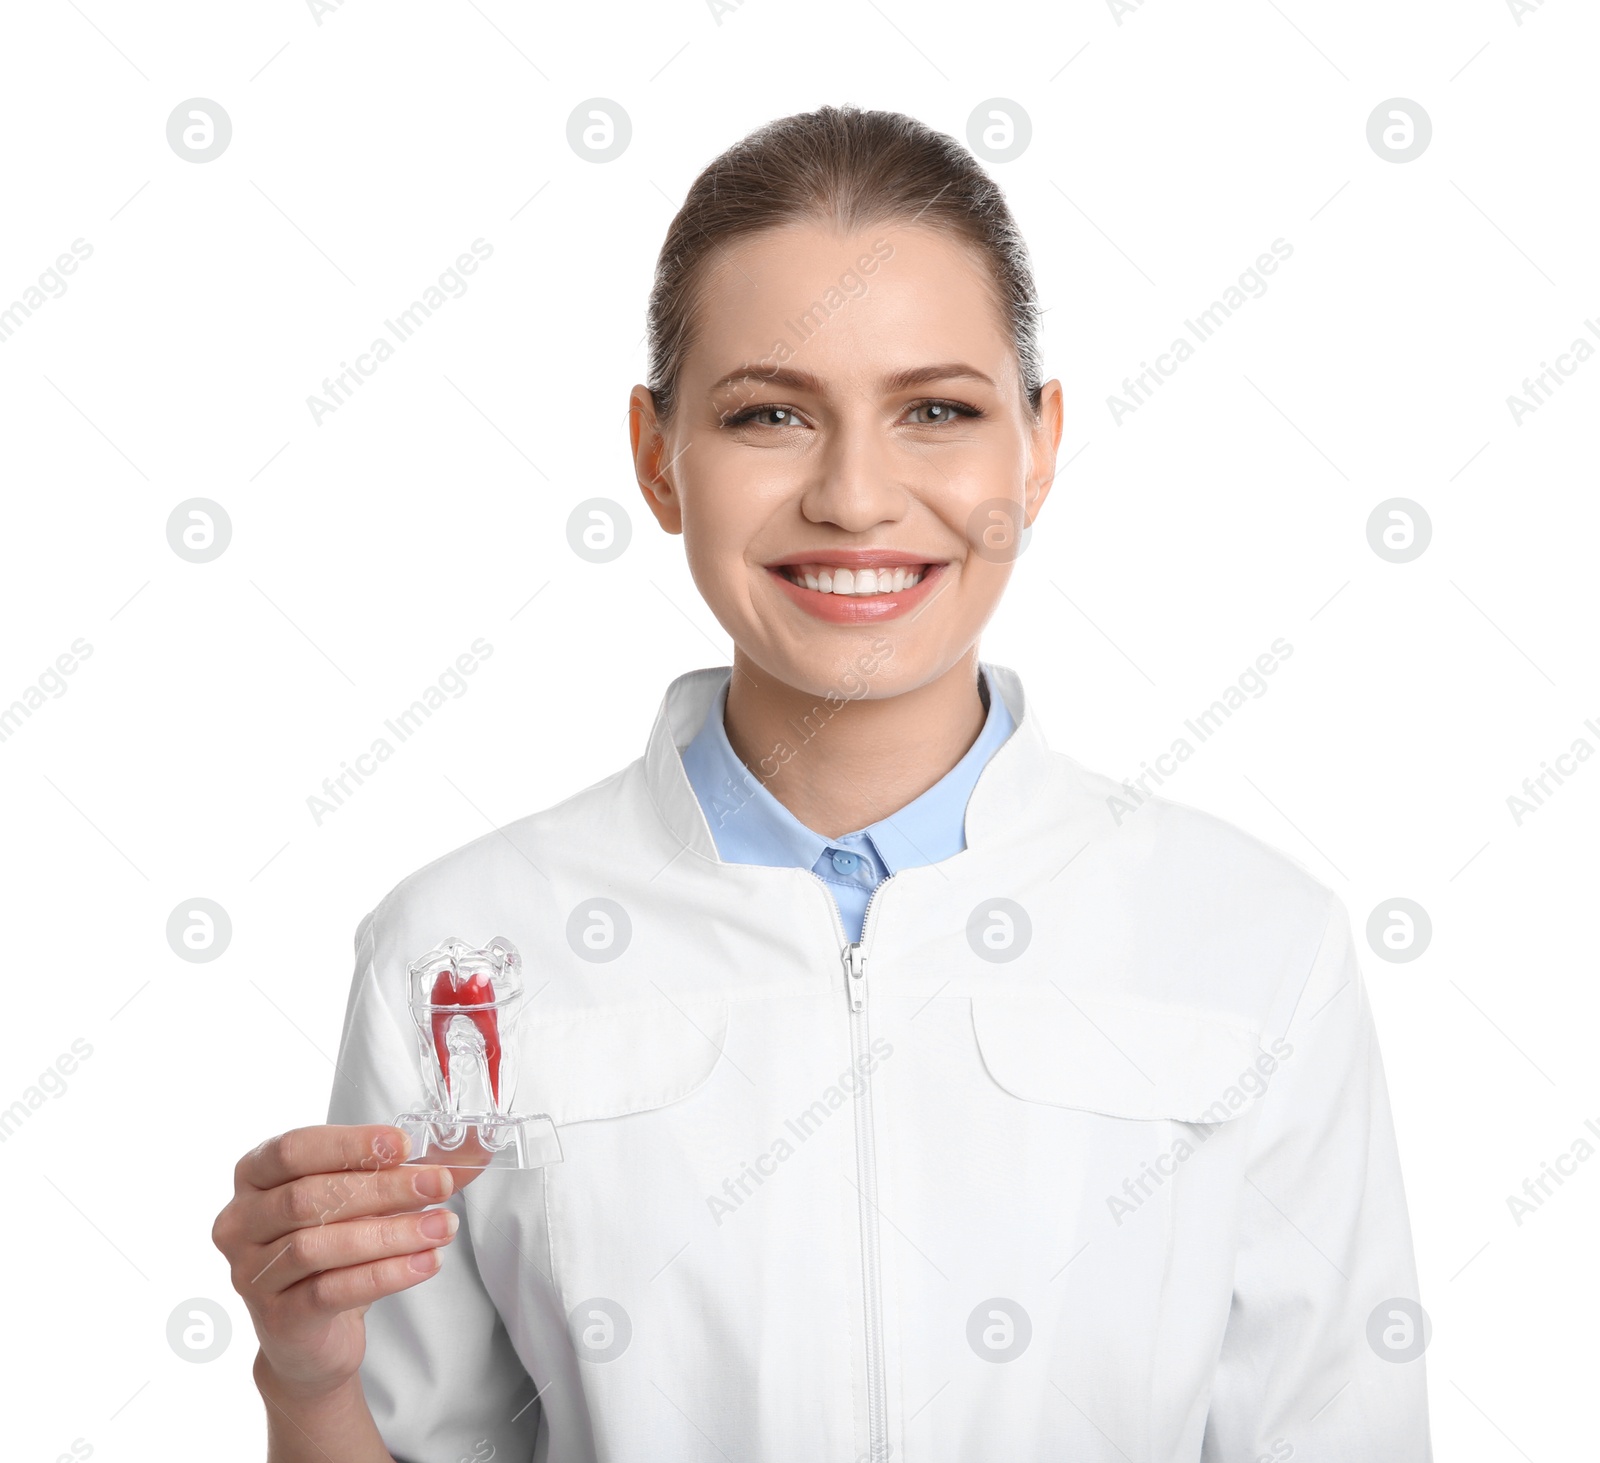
x=368 y=151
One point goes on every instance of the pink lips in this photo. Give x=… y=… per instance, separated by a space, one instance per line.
x=849 y=609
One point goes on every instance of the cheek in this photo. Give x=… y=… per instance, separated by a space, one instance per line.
x=723 y=510
x=974 y=463
x=982 y=497
x=983 y=581
x=729 y=493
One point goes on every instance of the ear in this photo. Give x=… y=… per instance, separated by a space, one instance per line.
x=1045 y=442
x=652 y=463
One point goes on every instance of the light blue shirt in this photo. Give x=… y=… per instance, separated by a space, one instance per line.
x=750 y=826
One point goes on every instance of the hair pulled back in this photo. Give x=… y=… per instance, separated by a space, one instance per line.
x=851 y=168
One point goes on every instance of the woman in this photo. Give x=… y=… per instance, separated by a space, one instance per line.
x=938 y=1100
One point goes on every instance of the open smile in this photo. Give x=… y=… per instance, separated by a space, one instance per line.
x=857 y=593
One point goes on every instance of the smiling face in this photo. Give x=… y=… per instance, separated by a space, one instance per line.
x=860 y=484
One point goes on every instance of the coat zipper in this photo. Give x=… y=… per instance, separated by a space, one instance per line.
x=854 y=960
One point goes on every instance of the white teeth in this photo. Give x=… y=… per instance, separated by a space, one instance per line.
x=856 y=581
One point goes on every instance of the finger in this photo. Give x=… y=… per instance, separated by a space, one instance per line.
x=325 y=1198
x=354 y=1242
x=466 y=1160
x=326 y=1148
x=319 y=1297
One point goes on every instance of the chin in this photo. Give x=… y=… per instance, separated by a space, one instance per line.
x=864 y=664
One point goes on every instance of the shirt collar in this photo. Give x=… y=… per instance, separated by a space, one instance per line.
x=1001 y=774
x=750 y=825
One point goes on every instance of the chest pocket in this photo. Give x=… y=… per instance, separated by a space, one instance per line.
x=1119 y=1058
x=606 y=1062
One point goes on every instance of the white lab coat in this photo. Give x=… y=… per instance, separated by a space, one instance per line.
x=1131 y=1196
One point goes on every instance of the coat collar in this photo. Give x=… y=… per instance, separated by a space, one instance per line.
x=1008 y=788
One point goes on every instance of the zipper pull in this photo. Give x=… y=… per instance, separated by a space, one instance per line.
x=855 y=976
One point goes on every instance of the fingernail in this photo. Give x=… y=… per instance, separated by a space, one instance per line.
x=434 y=1183
x=425 y=1261
x=439 y=1224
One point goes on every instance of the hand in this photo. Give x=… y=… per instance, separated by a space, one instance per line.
x=323 y=1221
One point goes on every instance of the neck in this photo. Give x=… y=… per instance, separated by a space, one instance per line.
x=839 y=767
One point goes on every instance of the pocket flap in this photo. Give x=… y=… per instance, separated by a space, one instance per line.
x=606 y=1062
x=1122 y=1059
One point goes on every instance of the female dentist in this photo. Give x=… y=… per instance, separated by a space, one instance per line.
x=932 y=1098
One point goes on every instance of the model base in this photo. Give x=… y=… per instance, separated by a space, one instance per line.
x=481 y=1140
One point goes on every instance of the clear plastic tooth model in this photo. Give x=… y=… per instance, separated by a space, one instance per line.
x=466 y=1004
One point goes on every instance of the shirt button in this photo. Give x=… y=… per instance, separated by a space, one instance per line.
x=844 y=862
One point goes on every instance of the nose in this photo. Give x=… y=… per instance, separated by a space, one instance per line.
x=857 y=480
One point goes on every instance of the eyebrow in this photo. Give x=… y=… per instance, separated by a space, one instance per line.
x=797 y=380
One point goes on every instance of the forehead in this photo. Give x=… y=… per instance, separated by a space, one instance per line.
x=848 y=304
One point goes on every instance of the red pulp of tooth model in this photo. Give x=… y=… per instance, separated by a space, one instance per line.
x=476 y=991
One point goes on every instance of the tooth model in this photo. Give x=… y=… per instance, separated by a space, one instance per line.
x=474 y=1000
x=466 y=1004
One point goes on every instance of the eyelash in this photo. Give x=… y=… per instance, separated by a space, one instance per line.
x=960 y=409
